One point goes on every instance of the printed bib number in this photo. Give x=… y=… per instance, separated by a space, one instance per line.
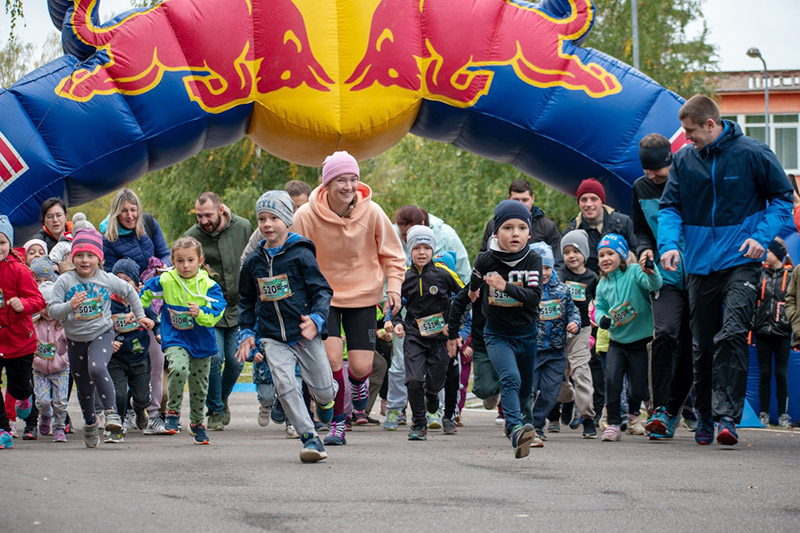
x=430 y=325
x=550 y=310
x=121 y=325
x=576 y=290
x=274 y=288
x=622 y=314
x=501 y=299
x=89 y=309
x=45 y=350
x=181 y=320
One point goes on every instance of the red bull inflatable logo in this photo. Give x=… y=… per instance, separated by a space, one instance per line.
x=507 y=79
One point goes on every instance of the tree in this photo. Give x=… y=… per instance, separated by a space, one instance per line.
x=13 y=10
x=667 y=54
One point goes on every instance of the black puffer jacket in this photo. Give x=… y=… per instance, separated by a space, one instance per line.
x=770 y=317
x=613 y=222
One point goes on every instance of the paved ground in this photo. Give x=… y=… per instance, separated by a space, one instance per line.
x=250 y=478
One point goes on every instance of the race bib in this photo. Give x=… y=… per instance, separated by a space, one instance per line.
x=274 y=288
x=430 y=325
x=180 y=320
x=45 y=350
x=501 y=299
x=120 y=324
x=576 y=290
x=622 y=314
x=89 y=309
x=550 y=310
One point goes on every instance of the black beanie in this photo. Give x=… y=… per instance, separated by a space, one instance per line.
x=508 y=209
x=777 y=248
x=655 y=158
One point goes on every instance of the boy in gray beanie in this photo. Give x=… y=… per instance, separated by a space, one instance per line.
x=278 y=203
x=581 y=283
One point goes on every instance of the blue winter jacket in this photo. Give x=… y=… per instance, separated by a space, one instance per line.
x=305 y=291
x=731 y=190
x=138 y=249
x=556 y=310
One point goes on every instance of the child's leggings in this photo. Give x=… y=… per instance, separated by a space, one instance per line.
x=88 y=363
x=182 y=368
x=19 y=382
x=630 y=358
x=52 y=388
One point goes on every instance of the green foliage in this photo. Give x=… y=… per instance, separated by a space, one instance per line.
x=14 y=11
x=667 y=54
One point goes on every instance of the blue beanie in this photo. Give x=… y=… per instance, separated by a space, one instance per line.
x=448 y=258
x=7 y=229
x=43 y=268
x=616 y=243
x=508 y=209
x=129 y=267
x=546 y=253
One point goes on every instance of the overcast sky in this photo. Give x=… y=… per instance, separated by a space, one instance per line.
x=735 y=25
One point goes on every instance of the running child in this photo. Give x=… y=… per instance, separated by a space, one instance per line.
x=510 y=274
x=426 y=293
x=50 y=362
x=284 y=295
x=82 y=301
x=130 y=365
x=623 y=307
x=193 y=304
x=582 y=284
x=558 y=316
x=19 y=300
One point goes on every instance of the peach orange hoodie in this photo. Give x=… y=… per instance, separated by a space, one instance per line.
x=355 y=252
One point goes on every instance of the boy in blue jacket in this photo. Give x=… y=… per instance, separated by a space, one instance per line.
x=558 y=316
x=282 y=286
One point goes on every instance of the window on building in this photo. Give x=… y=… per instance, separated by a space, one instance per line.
x=785 y=137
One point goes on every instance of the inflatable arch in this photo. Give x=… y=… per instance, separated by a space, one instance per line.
x=505 y=79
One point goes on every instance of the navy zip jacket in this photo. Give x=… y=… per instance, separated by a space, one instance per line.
x=135 y=341
x=732 y=190
x=280 y=288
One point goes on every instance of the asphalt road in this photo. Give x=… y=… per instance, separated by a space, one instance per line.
x=250 y=478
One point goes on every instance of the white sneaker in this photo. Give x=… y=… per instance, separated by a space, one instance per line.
x=635 y=426
x=13 y=432
x=291 y=433
x=264 y=414
x=499 y=421
x=155 y=426
x=763 y=418
x=784 y=420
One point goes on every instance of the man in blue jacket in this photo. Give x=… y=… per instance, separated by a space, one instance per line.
x=727 y=198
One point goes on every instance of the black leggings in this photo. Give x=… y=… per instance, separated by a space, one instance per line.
x=768 y=346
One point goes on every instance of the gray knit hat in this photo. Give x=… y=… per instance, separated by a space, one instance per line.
x=279 y=203
x=420 y=235
x=579 y=239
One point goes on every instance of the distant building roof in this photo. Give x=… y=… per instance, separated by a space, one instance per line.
x=753 y=81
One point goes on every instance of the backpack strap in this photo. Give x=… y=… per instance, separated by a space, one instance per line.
x=149 y=225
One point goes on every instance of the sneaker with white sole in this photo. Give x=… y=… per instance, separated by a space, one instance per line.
x=313 y=450
x=612 y=433
x=635 y=426
x=291 y=433
x=264 y=413
x=155 y=426
x=763 y=418
x=114 y=437
x=91 y=437
x=113 y=421
x=785 y=420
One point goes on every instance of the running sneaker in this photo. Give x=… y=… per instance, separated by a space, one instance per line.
x=141 y=421
x=91 y=437
x=6 y=440
x=672 y=424
x=113 y=437
x=155 y=426
x=554 y=427
x=726 y=433
x=359 y=395
x=312 y=450
x=763 y=418
x=23 y=408
x=536 y=442
x=612 y=433
x=704 y=434
x=499 y=421
x=459 y=421
x=491 y=403
x=785 y=420
x=335 y=435
x=45 y=424
x=449 y=426
x=567 y=410
x=348 y=423
x=130 y=418
x=540 y=434
x=391 y=422
x=634 y=426
x=172 y=425
x=373 y=421
x=198 y=431
x=417 y=433
x=215 y=421
x=13 y=424
x=30 y=432
x=576 y=420
x=113 y=421
x=226 y=413
x=359 y=418
x=402 y=419
x=657 y=423
x=434 y=421
x=59 y=435
x=263 y=415
x=325 y=412
x=291 y=433
x=521 y=437
x=319 y=427
x=589 y=431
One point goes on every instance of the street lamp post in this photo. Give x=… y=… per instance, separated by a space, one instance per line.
x=755 y=52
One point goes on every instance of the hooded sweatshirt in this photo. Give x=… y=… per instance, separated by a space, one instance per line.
x=348 y=246
x=51 y=347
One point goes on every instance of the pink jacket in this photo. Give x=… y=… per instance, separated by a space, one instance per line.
x=50 y=332
x=357 y=255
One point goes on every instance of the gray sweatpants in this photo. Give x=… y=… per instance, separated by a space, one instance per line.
x=88 y=362
x=578 y=356
x=314 y=369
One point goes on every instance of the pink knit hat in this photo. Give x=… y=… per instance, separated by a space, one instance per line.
x=336 y=164
x=87 y=240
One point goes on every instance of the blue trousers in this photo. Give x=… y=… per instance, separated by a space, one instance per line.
x=548 y=373
x=512 y=353
x=221 y=380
